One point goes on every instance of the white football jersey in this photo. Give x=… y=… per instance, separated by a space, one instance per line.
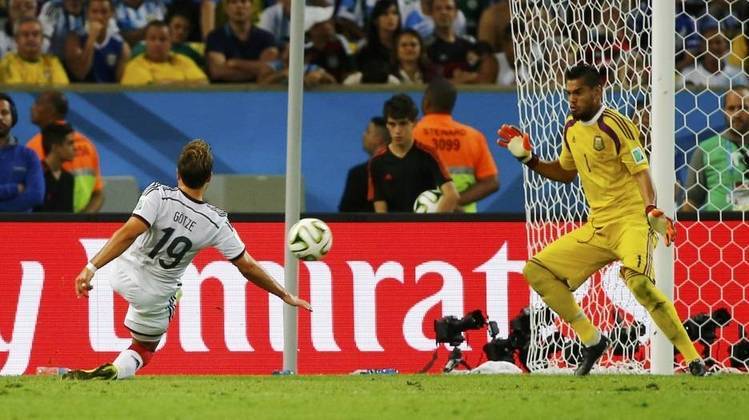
x=179 y=227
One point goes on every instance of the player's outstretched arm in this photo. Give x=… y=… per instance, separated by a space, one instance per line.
x=519 y=144
x=252 y=271
x=116 y=245
x=656 y=218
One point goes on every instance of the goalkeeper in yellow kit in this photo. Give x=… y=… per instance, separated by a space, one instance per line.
x=601 y=146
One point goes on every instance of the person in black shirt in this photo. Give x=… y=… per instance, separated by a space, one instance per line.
x=58 y=145
x=459 y=58
x=238 y=51
x=404 y=169
x=354 y=197
x=383 y=26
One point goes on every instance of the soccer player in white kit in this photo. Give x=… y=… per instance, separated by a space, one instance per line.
x=168 y=227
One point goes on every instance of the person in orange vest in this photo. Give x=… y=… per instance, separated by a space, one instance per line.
x=88 y=192
x=462 y=149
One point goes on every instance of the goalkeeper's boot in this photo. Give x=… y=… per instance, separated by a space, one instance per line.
x=697 y=368
x=591 y=355
x=103 y=372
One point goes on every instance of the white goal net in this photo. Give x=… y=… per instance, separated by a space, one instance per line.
x=711 y=287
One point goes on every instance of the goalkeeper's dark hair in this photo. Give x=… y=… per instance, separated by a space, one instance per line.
x=399 y=107
x=441 y=95
x=195 y=164
x=590 y=75
x=55 y=134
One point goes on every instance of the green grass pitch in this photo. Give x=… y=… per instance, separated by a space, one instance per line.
x=379 y=397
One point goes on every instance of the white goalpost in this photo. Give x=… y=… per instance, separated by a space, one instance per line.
x=293 y=178
x=662 y=162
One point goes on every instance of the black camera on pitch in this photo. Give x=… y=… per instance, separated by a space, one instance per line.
x=450 y=329
x=504 y=349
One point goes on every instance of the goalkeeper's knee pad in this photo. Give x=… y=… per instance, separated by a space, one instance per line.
x=644 y=290
x=538 y=277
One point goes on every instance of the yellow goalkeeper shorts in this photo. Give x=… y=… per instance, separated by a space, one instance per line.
x=577 y=255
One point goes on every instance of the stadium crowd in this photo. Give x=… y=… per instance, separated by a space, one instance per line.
x=141 y=42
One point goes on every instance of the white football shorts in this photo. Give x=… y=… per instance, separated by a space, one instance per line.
x=150 y=308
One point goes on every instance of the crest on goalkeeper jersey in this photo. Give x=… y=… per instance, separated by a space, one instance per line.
x=598 y=143
x=638 y=155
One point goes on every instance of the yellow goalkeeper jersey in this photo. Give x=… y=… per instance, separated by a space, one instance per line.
x=606 y=152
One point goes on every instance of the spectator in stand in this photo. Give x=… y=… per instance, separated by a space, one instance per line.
x=96 y=54
x=352 y=15
x=496 y=28
x=410 y=62
x=200 y=15
x=239 y=51
x=712 y=70
x=59 y=18
x=417 y=15
x=21 y=179
x=493 y=24
x=459 y=58
x=49 y=108
x=718 y=171
x=133 y=15
x=379 y=47
x=404 y=169
x=57 y=141
x=354 y=197
x=472 y=10
x=325 y=48
x=276 y=19
x=462 y=149
x=63 y=17
x=179 y=31
x=29 y=66
x=17 y=11
x=159 y=65
x=313 y=75
x=408 y=65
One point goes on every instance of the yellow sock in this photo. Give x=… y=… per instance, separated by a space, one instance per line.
x=585 y=330
x=560 y=299
x=662 y=311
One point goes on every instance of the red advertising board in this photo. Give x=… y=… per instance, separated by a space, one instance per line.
x=375 y=296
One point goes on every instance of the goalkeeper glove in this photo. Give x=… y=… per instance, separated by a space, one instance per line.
x=660 y=223
x=518 y=143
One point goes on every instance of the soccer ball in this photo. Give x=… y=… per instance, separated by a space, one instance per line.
x=426 y=202
x=310 y=239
